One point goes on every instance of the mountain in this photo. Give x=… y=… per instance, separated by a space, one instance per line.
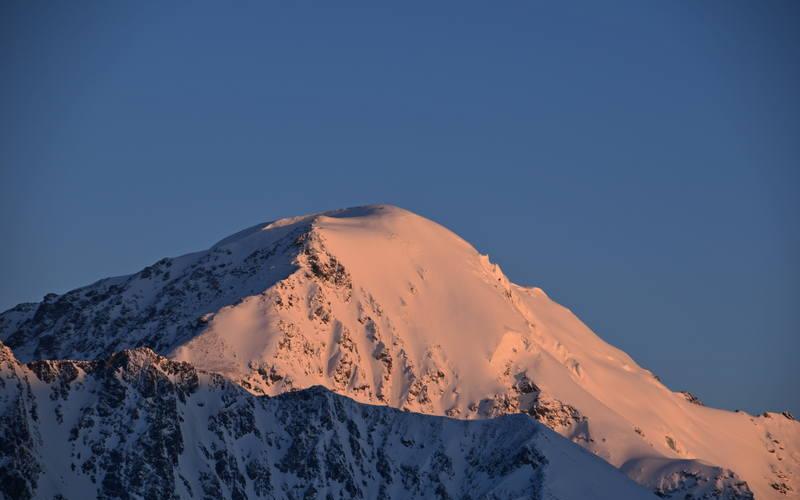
x=390 y=308
x=137 y=425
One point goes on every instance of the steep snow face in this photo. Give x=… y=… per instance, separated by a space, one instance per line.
x=136 y=425
x=390 y=308
x=385 y=305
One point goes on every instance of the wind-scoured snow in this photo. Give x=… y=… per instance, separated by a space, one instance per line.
x=390 y=308
x=136 y=425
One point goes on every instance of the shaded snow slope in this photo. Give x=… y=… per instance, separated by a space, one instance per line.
x=390 y=308
x=136 y=425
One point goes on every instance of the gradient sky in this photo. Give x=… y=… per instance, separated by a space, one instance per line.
x=640 y=161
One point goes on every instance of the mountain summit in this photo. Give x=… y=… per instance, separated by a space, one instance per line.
x=390 y=308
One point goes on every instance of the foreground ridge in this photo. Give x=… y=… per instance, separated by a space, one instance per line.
x=137 y=425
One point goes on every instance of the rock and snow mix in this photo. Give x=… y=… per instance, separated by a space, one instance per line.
x=389 y=308
x=137 y=425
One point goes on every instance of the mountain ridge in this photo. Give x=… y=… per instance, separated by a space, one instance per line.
x=387 y=307
x=137 y=425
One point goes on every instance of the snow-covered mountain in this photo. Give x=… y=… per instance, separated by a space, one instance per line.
x=137 y=425
x=389 y=308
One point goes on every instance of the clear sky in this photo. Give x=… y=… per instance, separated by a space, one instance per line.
x=640 y=161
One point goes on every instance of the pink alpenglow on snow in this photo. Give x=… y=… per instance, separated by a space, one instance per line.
x=388 y=308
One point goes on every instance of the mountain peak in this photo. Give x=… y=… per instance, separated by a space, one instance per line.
x=388 y=307
x=306 y=221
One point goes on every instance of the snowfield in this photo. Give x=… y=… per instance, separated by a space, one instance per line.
x=389 y=308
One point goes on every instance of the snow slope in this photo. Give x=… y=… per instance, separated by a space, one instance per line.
x=136 y=425
x=390 y=308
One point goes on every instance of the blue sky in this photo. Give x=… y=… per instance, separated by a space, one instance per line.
x=637 y=160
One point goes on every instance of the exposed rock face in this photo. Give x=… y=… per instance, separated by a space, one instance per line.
x=389 y=308
x=681 y=479
x=137 y=425
x=159 y=307
x=691 y=397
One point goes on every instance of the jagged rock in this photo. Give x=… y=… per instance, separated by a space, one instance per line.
x=691 y=398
